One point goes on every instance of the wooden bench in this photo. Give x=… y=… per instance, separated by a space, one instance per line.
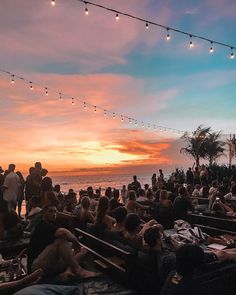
x=108 y=257
x=221 y=224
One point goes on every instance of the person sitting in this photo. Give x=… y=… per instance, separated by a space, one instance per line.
x=83 y=212
x=162 y=260
x=48 y=198
x=132 y=205
x=182 y=205
x=119 y=214
x=11 y=226
x=102 y=219
x=131 y=230
x=164 y=210
x=114 y=201
x=50 y=249
x=221 y=209
x=189 y=258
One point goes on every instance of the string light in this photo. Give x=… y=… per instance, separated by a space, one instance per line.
x=12 y=79
x=147 y=27
x=85 y=104
x=117 y=16
x=211 y=50
x=190 y=42
x=149 y=22
x=53 y=2
x=86 y=9
x=231 y=53
x=168 y=34
x=31 y=86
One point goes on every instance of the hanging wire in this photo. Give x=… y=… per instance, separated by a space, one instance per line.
x=85 y=105
x=149 y=22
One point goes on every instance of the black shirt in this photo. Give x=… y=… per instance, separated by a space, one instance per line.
x=43 y=235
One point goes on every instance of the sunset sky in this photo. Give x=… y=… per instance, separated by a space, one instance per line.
x=118 y=66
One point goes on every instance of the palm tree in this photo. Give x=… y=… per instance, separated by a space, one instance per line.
x=196 y=143
x=214 y=147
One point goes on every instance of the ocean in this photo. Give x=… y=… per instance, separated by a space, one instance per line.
x=79 y=182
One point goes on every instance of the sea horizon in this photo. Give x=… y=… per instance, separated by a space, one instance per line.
x=80 y=182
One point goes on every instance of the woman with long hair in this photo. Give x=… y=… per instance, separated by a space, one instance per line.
x=103 y=220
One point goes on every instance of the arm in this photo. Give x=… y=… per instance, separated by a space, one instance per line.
x=66 y=234
x=142 y=207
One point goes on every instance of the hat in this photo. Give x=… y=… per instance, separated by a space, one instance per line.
x=1 y=170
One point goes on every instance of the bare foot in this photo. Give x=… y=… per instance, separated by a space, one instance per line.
x=83 y=273
x=66 y=276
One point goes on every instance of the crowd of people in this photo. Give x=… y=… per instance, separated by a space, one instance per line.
x=135 y=214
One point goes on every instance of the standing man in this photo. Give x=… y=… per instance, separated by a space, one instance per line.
x=135 y=185
x=11 y=186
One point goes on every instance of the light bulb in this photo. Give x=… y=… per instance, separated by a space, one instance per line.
x=31 y=86
x=117 y=16
x=114 y=116
x=86 y=11
x=72 y=101
x=231 y=54
x=168 y=35
x=105 y=113
x=211 y=50
x=12 y=79
x=85 y=106
x=95 y=109
x=190 y=42
x=60 y=98
x=46 y=91
x=53 y=2
x=147 y=27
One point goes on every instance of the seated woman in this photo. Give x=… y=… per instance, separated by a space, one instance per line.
x=102 y=219
x=83 y=212
x=131 y=230
x=120 y=214
x=48 y=198
x=132 y=205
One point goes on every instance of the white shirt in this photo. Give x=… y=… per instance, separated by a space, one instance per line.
x=12 y=183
